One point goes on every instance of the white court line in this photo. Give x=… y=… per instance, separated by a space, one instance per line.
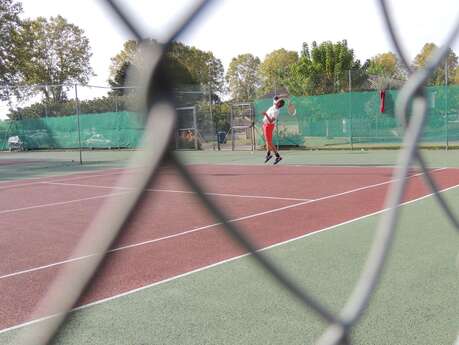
x=306 y=165
x=72 y=178
x=124 y=169
x=60 y=203
x=219 y=263
x=61 y=175
x=177 y=191
x=414 y=167
x=190 y=192
x=196 y=229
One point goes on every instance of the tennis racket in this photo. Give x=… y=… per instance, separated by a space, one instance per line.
x=291 y=108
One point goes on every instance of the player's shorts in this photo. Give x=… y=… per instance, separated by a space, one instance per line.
x=268 y=129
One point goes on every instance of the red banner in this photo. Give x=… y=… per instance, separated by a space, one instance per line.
x=382 y=94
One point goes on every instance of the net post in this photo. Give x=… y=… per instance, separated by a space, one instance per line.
x=77 y=108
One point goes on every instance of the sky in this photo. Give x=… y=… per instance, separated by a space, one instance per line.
x=232 y=27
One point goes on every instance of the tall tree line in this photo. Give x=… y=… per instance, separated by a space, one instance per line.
x=41 y=51
x=325 y=67
x=53 y=51
x=186 y=66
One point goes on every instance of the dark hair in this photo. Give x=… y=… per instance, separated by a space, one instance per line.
x=280 y=103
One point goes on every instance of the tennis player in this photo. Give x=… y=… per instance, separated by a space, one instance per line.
x=279 y=97
x=269 y=122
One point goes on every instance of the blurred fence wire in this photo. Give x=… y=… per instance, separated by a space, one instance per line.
x=158 y=104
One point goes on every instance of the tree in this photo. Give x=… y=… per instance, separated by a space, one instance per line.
x=385 y=64
x=438 y=77
x=384 y=70
x=243 y=78
x=119 y=78
x=65 y=108
x=324 y=69
x=10 y=27
x=185 y=65
x=275 y=69
x=125 y=56
x=54 y=52
x=216 y=80
x=221 y=115
x=203 y=66
x=120 y=64
x=298 y=83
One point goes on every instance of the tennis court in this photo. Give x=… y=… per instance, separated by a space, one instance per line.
x=144 y=214
x=175 y=277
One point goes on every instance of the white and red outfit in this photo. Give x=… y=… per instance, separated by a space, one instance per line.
x=269 y=124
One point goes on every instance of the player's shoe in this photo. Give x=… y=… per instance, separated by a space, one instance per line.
x=277 y=160
x=268 y=157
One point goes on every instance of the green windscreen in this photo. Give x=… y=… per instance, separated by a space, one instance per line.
x=334 y=121
x=104 y=130
x=355 y=118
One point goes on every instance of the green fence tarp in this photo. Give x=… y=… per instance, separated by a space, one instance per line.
x=105 y=130
x=320 y=121
x=355 y=117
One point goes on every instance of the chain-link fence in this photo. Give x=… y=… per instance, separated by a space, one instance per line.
x=411 y=109
x=85 y=118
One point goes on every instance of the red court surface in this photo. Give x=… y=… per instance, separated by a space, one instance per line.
x=43 y=219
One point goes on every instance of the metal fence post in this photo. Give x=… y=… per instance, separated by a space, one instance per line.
x=350 y=110
x=233 y=135
x=46 y=101
x=195 y=124
x=446 y=105
x=77 y=108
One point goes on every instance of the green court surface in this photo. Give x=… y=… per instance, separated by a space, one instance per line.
x=435 y=158
x=42 y=163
